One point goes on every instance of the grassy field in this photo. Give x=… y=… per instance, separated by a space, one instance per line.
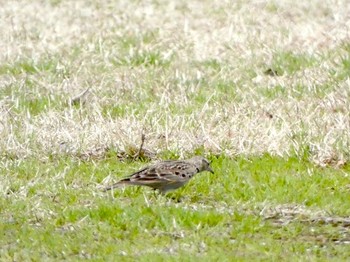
x=261 y=88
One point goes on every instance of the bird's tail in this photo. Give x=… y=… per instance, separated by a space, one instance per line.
x=120 y=183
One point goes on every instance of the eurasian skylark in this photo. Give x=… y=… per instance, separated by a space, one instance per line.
x=166 y=175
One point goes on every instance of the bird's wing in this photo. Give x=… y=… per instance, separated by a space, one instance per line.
x=176 y=171
x=160 y=174
x=167 y=171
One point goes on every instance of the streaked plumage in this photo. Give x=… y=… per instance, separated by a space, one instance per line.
x=166 y=175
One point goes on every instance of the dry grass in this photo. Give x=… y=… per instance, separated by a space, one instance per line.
x=163 y=64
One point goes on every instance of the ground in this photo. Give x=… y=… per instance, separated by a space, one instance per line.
x=261 y=88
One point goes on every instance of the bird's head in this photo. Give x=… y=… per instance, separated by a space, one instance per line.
x=202 y=164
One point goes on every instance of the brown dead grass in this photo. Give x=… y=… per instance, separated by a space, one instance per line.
x=242 y=36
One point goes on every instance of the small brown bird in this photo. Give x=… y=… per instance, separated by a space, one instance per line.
x=166 y=175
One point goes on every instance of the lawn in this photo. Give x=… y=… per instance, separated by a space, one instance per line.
x=260 y=88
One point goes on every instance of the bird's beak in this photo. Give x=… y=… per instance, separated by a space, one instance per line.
x=210 y=170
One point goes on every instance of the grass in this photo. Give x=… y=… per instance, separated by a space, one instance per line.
x=257 y=208
x=260 y=88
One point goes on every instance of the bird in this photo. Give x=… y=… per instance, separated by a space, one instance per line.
x=166 y=175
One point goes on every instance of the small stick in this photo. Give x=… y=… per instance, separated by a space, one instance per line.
x=143 y=137
x=78 y=98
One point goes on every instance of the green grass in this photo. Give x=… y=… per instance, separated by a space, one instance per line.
x=31 y=99
x=290 y=63
x=30 y=66
x=61 y=214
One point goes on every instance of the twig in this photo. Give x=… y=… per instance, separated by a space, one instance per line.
x=77 y=100
x=143 y=137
